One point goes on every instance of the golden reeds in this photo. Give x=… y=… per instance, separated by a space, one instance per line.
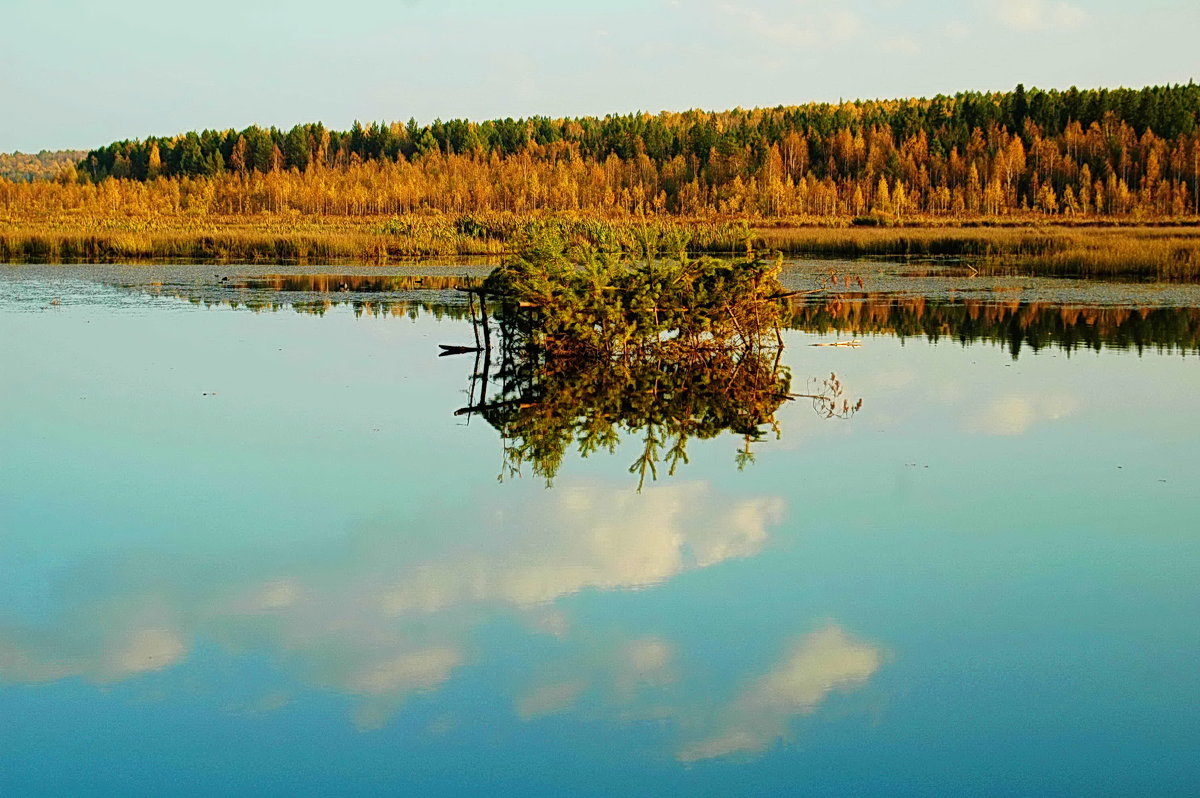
x=1145 y=252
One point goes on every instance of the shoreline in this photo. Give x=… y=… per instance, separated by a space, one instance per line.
x=1154 y=249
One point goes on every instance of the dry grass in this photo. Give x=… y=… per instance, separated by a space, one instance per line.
x=1146 y=251
x=232 y=239
x=1165 y=253
x=294 y=238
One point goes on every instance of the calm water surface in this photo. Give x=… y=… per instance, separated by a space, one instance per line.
x=257 y=553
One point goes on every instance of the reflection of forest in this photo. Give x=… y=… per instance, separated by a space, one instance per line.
x=371 y=295
x=357 y=283
x=1017 y=324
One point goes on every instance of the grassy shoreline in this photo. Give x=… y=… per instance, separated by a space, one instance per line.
x=1149 y=252
x=1143 y=251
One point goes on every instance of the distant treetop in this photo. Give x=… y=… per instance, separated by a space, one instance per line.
x=44 y=165
x=948 y=122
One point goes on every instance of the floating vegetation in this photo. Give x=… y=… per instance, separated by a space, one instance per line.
x=594 y=297
x=598 y=342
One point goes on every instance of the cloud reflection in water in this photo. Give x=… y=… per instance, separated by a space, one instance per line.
x=821 y=662
x=378 y=621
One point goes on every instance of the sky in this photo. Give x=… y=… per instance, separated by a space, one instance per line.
x=82 y=73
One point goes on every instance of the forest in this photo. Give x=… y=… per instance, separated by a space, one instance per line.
x=1020 y=158
x=43 y=165
x=1075 y=152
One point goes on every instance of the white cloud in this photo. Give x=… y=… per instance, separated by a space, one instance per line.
x=384 y=681
x=1065 y=15
x=647 y=656
x=276 y=595
x=123 y=653
x=901 y=45
x=820 y=663
x=145 y=650
x=1011 y=415
x=548 y=621
x=385 y=621
x=549 y=699
x=592 y=539
x=1015 y=415
x=793 y=24
x=418 y=670
x=843 y=25
x=646 y=662
x=957 y=30
x=1033 y=15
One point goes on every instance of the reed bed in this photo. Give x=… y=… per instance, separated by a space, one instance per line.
x=1143 y=252
x=68 y=238
x=1163 y=253
x=356 y=244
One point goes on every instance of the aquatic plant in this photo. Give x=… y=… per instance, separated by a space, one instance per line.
x=594 y=296
x=600 y=340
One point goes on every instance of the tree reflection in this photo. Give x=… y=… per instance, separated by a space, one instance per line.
x=598 y=342
x=1017 y=324
x=544 y=407
x=408 y=296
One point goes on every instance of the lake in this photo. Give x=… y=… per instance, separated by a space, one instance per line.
x=248 y=547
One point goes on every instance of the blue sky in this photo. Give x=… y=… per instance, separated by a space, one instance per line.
x=80 y=73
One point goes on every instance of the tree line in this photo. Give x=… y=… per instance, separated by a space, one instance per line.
x=44 y=165
x=1074 y=152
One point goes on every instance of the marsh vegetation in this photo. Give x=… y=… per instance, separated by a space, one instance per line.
x=598 y=342
x=1035 y=180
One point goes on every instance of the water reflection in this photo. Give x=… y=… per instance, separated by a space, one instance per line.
x=367 y=295
x=668 y=391
x=378 y=621
x=543 y=408
x=138 y=643
x=1007 y=319
x=346 y=283
x=183 y=570
x=1016 y=324
x=1015 y=415
x=816 y=665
